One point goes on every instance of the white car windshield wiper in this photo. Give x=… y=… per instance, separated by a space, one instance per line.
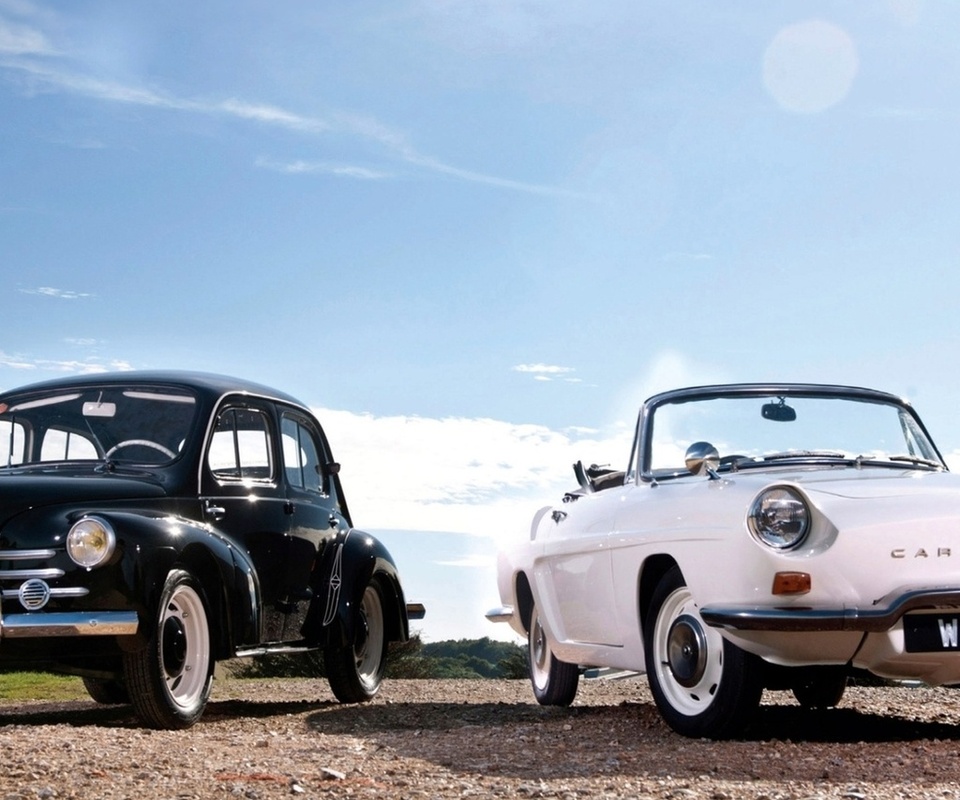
x=923 y=462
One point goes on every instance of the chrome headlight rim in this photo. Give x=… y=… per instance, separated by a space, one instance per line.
x=780 y=518
x=91 y=541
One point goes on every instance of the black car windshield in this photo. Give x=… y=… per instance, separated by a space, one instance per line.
x=121 y=424
x=754 y=430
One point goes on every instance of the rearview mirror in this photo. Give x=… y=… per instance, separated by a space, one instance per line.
x=99 y=409
x=778 y=412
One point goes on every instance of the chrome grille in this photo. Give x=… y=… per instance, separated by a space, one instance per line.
x=34 y=594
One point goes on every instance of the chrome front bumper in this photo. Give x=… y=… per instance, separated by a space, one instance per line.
x=501 y=614
x=884 y=614
x=86 y=623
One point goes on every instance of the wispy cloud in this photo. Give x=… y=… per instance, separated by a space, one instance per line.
x=337 y=170
x=22 y=40
x=82 y=366
x=548 y=372
x=27 y=52
x=543 y=369
x=62 y=294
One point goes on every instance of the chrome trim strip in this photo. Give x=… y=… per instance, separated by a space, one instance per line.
x=501 y=614
x=81 y=623
x=24 y=555
x=246 y=652
x=74 y=591
x=25 y=574
x=882 y=617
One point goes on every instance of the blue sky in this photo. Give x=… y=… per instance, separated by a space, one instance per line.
x=475 y=234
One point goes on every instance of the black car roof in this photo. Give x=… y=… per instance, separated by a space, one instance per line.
x=208 y=384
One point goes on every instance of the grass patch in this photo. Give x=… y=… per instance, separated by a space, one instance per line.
x=40 y=686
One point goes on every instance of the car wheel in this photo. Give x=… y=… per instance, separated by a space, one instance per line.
x=554 y=682
x=821 y=687
x=355 y=672
x=169 y=680
x=106 y=692
x=703 y=685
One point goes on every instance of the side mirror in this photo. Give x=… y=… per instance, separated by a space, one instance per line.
x=702 y=458
x=778 y=412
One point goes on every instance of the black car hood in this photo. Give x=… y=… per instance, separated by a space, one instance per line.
x=21 y=491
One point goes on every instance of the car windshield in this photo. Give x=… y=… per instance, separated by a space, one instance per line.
x=755 y=429
x=120 y=424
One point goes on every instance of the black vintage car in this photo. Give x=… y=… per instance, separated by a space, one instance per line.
x=152 y=524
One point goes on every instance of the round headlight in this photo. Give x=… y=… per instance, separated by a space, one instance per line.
x=779 y=518
x=91 y=542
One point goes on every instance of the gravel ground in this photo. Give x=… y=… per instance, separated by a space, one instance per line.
x=442 y=739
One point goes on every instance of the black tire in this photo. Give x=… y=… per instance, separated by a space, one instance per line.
x=169 y=680
x=821 y=687
x=703 y=685
x=356 y=672
x=554 y=681
x=106 y=692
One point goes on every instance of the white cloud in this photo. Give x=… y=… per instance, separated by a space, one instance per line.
x=542 y=368
x=546 y=372
x=478 y=476
x=470 y=562
x=63 y=294
x=55 y=365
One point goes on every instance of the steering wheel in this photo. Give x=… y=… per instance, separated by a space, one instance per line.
x=141 y=443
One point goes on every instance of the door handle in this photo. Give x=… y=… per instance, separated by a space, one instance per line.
x=215 y=512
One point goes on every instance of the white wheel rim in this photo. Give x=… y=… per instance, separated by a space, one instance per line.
x=687 y=699
x=540 y=654
x=369 y=653
x=185 y=663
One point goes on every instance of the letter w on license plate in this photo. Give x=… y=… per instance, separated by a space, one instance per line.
x=931 y=633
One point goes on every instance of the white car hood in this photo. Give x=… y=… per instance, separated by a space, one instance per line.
x=875 y=482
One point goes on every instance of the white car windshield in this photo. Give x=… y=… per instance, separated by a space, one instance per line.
x=762 y=429
x=120 y=424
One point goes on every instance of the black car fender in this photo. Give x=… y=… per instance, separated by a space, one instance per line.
x=347 y=565
x=150 y=546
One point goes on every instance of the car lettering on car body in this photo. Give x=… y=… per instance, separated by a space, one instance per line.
x=940 y=552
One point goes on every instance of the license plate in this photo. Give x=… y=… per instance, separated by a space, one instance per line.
x=931 y=633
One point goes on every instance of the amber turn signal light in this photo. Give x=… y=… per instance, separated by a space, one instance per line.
x=791 y=583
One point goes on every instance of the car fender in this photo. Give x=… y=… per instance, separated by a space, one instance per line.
x=347 y=565
x=151 y=544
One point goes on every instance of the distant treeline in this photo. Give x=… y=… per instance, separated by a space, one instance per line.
x=461 y=658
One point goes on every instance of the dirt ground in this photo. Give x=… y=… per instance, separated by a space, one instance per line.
x=443 y=739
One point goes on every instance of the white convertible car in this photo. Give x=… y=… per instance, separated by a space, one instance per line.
x=762 y=536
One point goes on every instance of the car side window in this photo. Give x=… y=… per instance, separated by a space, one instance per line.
x=14 y=437
x=301 y=455
x=240 y=446
x=62 y=445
